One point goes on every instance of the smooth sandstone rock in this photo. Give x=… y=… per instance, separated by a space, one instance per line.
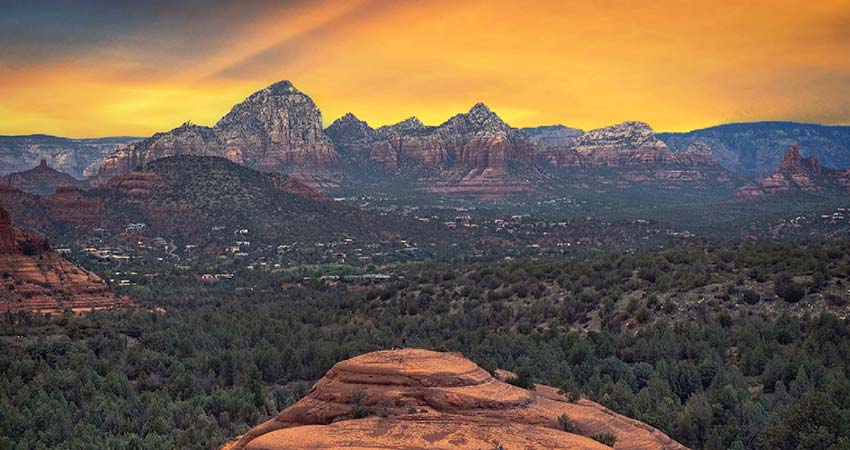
x=423 y=399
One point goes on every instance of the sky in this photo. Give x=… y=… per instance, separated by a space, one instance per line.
x=126 y=67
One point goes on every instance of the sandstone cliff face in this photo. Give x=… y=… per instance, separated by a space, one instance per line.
x=695 y=153
x=796 y=174
x=42 y=180
x=400 y=139
x=631 y=153
x=352 y=137
x=552 y=135
x=38 y=280
x=629 y=144
x=422 y=399
x=187 y=139
x=475 y=153
x=277 y=129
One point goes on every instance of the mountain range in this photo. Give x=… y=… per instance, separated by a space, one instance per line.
x=279 y=129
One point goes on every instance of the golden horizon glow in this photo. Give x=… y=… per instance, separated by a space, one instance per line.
x=676 y=65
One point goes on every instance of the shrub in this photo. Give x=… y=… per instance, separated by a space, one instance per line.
x=835 y=300
x=566 y=424
x=788 y=290
x=357 y=409
x=605 y=437
x=750 y=296
x=643 y=315
x=522 y=379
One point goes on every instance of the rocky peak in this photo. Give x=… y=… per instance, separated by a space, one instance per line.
x=792 y=163
x=280 y=97
x=41 y=180
x=552 y=135
x=278 y=128
x=479 y=118
x=795 y=174
x=626 y=134
x=280 y=88
x=350 y=128
x=409 y=125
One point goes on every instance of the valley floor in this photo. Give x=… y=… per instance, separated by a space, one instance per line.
x=718 y=345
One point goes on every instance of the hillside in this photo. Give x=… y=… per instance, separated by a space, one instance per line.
x=718 y=347
x=42 y=180
x=208 y=202
x=758 y=147
x=79 y=158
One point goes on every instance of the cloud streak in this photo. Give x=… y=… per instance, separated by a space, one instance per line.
x=122 y=67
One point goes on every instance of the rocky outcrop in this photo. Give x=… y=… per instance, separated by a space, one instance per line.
x=38 y=280
x=696 y=153
x=626 y=145
x=277 y=129
x=414 y=398
x=793 y=164
x=42 y=180
x=352 y=137
x=552 y=135
x=796 y=174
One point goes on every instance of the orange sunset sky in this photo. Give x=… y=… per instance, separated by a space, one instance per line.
x=102 y=68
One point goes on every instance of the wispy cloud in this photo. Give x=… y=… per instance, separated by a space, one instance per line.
x=129 y=67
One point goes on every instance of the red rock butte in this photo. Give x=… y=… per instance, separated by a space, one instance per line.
x=412 y=398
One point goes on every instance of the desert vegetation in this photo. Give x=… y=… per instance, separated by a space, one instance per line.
x=755 y=370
